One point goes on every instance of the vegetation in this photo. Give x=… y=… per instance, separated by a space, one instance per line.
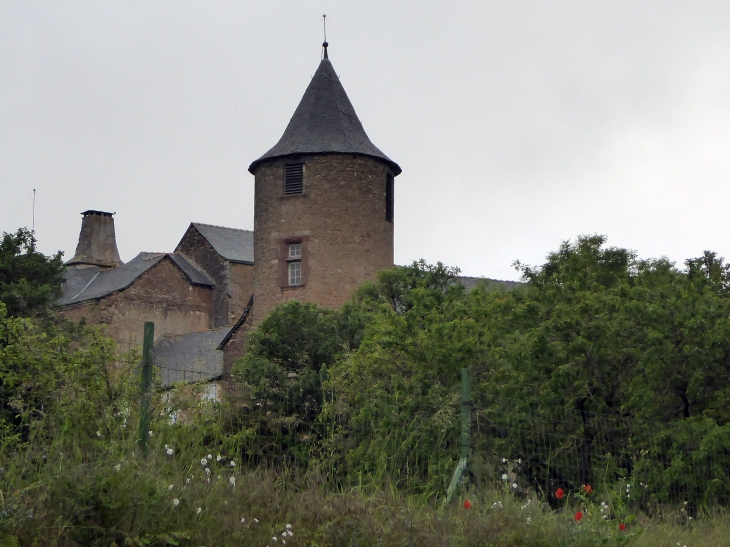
x=30 y=282
x=600 y=392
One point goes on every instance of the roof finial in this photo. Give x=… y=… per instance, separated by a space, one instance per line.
x=325 y=44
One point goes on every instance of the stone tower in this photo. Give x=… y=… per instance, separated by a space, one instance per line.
x=323 y=209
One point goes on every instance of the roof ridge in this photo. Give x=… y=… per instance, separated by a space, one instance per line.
x=166 y=337
x=219 y=226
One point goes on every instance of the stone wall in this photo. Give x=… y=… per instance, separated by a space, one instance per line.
x=236 y=348
x=162 y=294
x=340 y=220
x=240 y=289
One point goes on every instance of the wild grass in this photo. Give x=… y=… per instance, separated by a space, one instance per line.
x=122 y=498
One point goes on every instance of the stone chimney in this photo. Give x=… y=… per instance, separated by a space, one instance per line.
x=97 y=241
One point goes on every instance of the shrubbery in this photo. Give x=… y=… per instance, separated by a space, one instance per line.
x=600 y=368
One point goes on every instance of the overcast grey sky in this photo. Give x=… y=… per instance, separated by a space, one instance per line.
x=518 y=124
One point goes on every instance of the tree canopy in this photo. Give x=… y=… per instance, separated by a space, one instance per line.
x=598 y=351
x=30 y=282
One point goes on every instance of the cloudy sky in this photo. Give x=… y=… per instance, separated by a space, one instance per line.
x=518 y=124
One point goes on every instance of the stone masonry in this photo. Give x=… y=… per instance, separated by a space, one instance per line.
x=340 y=219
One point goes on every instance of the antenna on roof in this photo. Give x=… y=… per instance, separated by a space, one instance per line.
x=33 y=225
x=324 y=44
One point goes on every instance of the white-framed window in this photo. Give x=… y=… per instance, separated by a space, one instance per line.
x=295 y=251
x=210 y=393
x=295 y=273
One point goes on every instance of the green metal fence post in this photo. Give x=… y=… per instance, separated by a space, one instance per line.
x=144 y=414
x=465 y=414
x=465 y=434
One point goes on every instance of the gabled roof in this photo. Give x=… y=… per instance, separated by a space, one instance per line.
x=190 y=357
x=231 y=243
x=325 y=121
x=106 y=282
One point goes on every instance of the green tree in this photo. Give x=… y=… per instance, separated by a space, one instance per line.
x=30 y=282
x=282 y=373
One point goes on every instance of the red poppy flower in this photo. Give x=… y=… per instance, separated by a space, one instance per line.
x=622 y=527
x=559 y=493
x=588 y=488
x=467 y=504
x=578 y=516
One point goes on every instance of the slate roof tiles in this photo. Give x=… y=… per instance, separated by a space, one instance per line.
x=106 y=282
x=325 y=121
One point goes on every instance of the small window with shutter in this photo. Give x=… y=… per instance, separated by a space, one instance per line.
x=389 y=198
x=293 y=179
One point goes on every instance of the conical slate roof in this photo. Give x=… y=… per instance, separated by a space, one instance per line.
x=324 y=121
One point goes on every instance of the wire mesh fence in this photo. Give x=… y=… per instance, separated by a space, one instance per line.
x=291 y=419
x=645 y=462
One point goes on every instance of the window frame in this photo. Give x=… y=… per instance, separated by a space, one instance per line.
x=285 y=258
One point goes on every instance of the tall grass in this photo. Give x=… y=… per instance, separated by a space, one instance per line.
x=191 y=490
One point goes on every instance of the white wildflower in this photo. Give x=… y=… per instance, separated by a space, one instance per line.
x=210 y=456
x=167 y=446
x=98 y=434
x=117 y=467
x=170 y=451
x=283 y=541
x=170 y=487
x=207 y=470
x=256 y=521
x=176 y=502
x=288 y=526
x=290 y=533
x=529 y=520
x=199 y=510
x=283 y=534
x=218 y=458
x=187 y=481
x=233 y=464
x=232 y=480
x=514 y=485
x=243 y=520
x=150 y=433
x=504 y=476
x=504 y=460
x=274 y=538
x=203 y=461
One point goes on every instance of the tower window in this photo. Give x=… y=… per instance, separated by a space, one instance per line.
x=389 y=198
x=293 y=179
x=295 y=273
x=294 y=264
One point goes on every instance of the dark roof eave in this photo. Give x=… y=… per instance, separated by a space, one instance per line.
x=255 y=164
